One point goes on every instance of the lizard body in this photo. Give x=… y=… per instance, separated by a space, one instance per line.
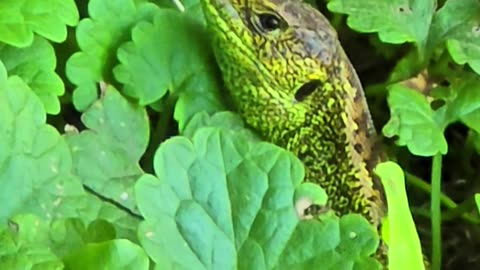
x=292 y=82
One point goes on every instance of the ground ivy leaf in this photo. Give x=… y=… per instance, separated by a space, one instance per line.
x=396 y=21
x=106 y=155
x=223 y=201
x=67 y=235
x=403 y=241
x=226 y=120
x=35 y=160
x=36 y=66
x=125 y=224
x=20 y=19
x=317 y=195
x=465 y=106
x=417 y=126
x=24 y=245
x=338 y=244
x=115 y=254
x=172 y=53
x=98 y=37
x=199 y=93
x=458 y=23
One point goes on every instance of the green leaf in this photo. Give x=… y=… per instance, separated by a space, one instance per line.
x=464 y=106
x=99 y=37
x=223 y=201
x=331 y=245
x=35 y=160
x=225 y=120
x=20 y=19
x=458 y=23
x=396 y=22
x=106 y=155
x=24 y=245
x=125 y=224
x=100 y=230
x=477 y=201
x=171 y=54
x=36 y=66
x=403 y=241
x=116 y=254
x=67 y=235
x=417 y=126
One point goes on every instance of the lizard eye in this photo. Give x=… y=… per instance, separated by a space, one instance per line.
x=269 y=22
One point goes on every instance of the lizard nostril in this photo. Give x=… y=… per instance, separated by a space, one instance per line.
x=307 y=89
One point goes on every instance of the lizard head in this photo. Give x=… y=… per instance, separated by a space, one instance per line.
x=280 y=60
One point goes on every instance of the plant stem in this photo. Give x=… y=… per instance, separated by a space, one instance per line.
x=445 y=200
x=421 y=184
x=462 y=208
x=436 y=212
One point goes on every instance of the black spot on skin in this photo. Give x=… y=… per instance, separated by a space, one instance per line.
x=307 y=89
x=358 y=147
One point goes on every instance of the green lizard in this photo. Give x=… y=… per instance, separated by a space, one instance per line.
x=292 y=82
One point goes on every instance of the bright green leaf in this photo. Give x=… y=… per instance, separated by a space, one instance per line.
x=36 y=66
x=98 y=37
x=35 y=160
x=477 y=201
x=20 y=19
x=223 y=201
x=396 y=21
x=24 y=245
x=106 y=155
x=116 y=254
x=403 y=241
x=171 y=54
x=414 y=122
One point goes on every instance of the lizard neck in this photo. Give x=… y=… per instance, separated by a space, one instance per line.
x=333 y=137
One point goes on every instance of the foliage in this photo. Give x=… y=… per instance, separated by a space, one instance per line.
x=117 y=145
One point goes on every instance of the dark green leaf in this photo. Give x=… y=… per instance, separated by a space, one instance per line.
x=458 y=23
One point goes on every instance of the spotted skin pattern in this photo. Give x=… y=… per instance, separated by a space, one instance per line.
x=329 y=126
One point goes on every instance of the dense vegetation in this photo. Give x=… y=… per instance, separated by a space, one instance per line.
x=120 y=150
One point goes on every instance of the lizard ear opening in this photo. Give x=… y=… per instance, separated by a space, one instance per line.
x=307 y=89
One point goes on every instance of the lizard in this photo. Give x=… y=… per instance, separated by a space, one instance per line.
x=290 y=80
